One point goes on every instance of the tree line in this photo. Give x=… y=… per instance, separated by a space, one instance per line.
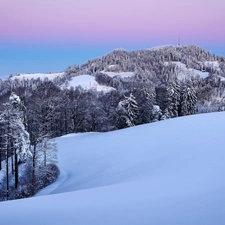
x=26 y=166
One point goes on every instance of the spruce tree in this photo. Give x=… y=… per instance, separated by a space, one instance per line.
x=188 y=99
x=127 y=112
x=174 y=97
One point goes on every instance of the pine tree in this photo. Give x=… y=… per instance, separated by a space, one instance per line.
x=188 y=99
x=146 y=100
x=127 y=112
x=174 y=97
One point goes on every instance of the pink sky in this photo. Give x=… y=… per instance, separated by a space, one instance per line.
x=49 y=35
x=115 y=21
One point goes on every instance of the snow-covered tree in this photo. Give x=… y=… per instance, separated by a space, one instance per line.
x=46 y=158
x=127 y=112
x=156 y=113
x=188 y=99
x=20 y=136
x=16 y=138
x=174 y=95
x=47 y=152
x=146 y=99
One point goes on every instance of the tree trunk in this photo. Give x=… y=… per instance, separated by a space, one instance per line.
x=12 y=164
x=45 y=156
x=16 y=170
x=33 y=169
x=65 y=122
x=1 y=142
x=7 y=160
x=7 y=165
x=7 y=176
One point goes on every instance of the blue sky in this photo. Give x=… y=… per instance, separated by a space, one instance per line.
x=43 y=59
x=50 y=35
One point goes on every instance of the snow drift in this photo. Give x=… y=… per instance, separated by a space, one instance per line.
x=168 y=172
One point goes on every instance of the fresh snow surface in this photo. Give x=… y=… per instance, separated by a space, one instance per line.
x=212 y=63
x=85 y=81
x=88 y=82
x=121 y=74
x=183 y=71
x=222 y=78
x=112 y=66
x=42 y=76
x=164 y=173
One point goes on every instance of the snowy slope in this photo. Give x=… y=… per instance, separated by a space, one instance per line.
x=164 y=173
x=121 y=74
x=85 y=81
x=88 y=82
x=213 y=63
x=42 y=76
x=183 y=71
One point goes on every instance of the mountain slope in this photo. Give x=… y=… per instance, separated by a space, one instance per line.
x=169 y=172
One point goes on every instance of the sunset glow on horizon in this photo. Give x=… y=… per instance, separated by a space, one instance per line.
x=101 y=25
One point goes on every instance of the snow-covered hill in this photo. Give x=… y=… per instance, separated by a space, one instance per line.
x=42 y=76
x=85 y=81
x=168 y=172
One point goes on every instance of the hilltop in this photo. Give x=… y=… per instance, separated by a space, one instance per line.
x=154 y=62
x=158 y=65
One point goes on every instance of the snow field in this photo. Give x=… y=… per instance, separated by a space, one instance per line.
x=168 y=172
x=85 y=81
x=88 y=82
x=121 y=74
x=183 y=71
x=42 y=76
